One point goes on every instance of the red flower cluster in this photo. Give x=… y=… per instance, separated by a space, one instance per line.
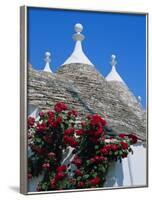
x=78 y=172
x=51 y=114
x=70 y=141
x=124 y=145
x=59 y=107
x=69 y=131
x=95 y=181
x=77 y=161
x=41 y=127
x=55 y=122
x=109 y=147
x=97 y=159
x=122 y=135
x=73 y=113
x=30 y=122
x=96 y=120
x=61 y=168
x=41 y=114
x=69 y=138
x=38 y=150
x=133 y=138
x=60 y=173
x=80 y=132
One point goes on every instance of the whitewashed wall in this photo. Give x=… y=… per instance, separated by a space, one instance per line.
x=132 y=170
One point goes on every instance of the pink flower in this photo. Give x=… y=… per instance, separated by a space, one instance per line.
x=46 y=166
x=51 y=155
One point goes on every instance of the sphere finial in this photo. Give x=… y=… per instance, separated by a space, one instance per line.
x=113 y=61
x=78 y=36
x=78 y=28
x=47 y=57
x=139 y=98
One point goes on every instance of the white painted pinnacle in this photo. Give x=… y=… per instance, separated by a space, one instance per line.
x=113 y=75
x=47 y=60
x=78 y=55
x=139 y=98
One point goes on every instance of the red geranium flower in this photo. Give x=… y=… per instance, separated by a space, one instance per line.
x=98 y=132
x=96 y=120
x=81 y=184
x=133 y=138
x=124 y=145
x=30 y=121
x=95 y=181
x=73 y=112
x=59 y=176
x=77 y=161
x=70 y=141
x=122 y=135
x=61 y=168
x=80 y=132
x=78 y=172
x=104 y=151
x=41 y=127
x=114 y=147
x=50 y=114
x=69 y=131
x=59 y=107
x=41 y=114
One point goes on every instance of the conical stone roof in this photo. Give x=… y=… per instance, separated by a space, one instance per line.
x=82 y=87
x=123 y=92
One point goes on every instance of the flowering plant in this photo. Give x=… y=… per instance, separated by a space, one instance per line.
x=92 y=145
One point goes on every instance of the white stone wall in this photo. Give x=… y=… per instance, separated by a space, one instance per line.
x=132 y=170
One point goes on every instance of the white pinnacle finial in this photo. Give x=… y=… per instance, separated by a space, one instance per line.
x=78 y=55
x=113 y=61
x=47 y=59
x=78 y=36
x=139 y=98
x=113 y=75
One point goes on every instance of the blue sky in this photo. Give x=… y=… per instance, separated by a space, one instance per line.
x=121 y=34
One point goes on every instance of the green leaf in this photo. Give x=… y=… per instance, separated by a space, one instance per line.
x=86 y=176
x=96 y=147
